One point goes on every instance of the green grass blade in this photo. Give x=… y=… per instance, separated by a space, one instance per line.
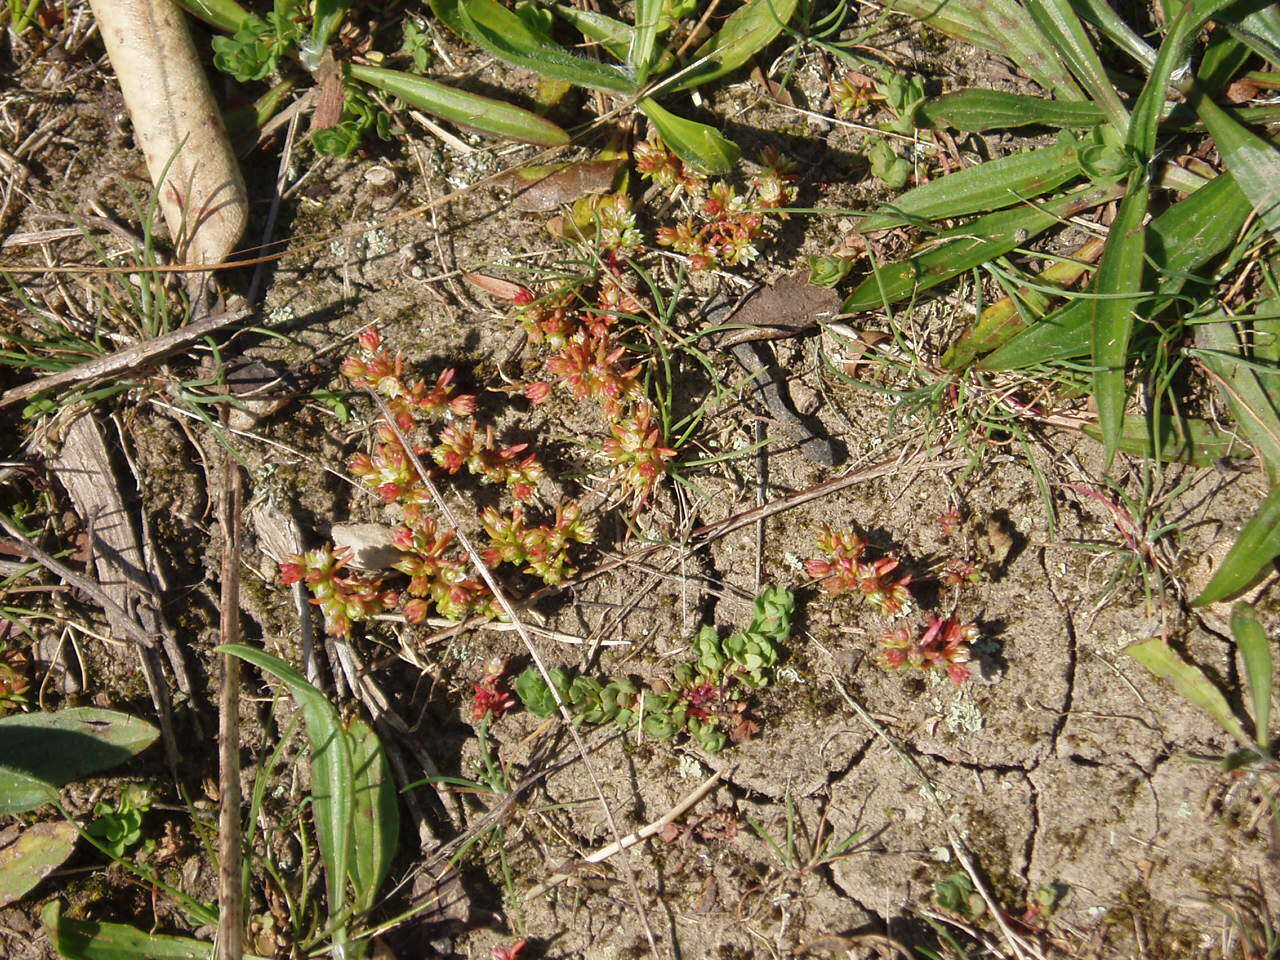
x=1189 y=681
x=332 y=778
x=91 y=940
x=1102 y=16
x=1260 y=32
x=20 y=791
x=610 y=33
x=468 y=109
x=224 y=14
x=1253 y=162
x=1250 y=556
x=327 y=16
x=1252 y=405
x=970 y=245
x=975 y=111
x=1179 y=241
x=695 y=143
x=644 y=38
x=1014 y=34
x=1183 y=440
x=500 y=32
x=1255 y=651
x=1066 y=34
x=748 y=30
x=987 y=186
x=376 y=820
x=1117 y=282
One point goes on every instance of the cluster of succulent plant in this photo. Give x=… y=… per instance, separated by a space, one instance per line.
x=440 y=424
x=942 y=645
x=705 y=697
x=721 y=226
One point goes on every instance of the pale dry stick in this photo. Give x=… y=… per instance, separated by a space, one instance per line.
x=282 y=176
x=1019 y=946
x=81 y=583
x=230 y=940
x=509 y=609
x=631 y=839
x=128 y=358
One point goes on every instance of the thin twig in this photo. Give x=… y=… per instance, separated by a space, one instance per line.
x=230 y=943
x=509 y=609
x=604 y=853
x=129 y=358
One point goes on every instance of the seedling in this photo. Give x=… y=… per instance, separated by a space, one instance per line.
x=119 y=827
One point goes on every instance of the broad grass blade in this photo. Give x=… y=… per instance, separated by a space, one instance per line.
x=1255 y=651
x=748 y=30
x=971 y=245
x=696 y=143
x=1102 y=16
x=90 y=940
x=610 y=33
x=987 y=186
x=1185 y=440
x=327 y=17
x=20 y=791
x=332 y=776
x=1250 y=556
x=224 y=14
x=1190 y=682
x=1260 y=31
x=1062 y=28
x=1179 y=241
x=468 y=109
x=500 y=32
x=64 y=745
x=376 y=820
x=1253 y=162
x=975 y=111
x=1252 y=404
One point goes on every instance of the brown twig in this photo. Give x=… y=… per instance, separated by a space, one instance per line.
x=230 y=895
x=129 y=358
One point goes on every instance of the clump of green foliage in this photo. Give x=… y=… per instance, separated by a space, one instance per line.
x=707 y=696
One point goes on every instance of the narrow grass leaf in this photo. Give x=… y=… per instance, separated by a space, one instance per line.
x=1253 y=162
x=468 y=109
x=696 y=143
x=332 y=778
x=746 y=32
x=1065 y=33
x=1189 y=681
x=327 y=16
x=1250 y=556
x=612 y=34
x=1260 y=31
x=644 y=38
x=376 y=818
x=1102 y=16
x=975 y=111
x=1255 y=651
x=500 y=32
x=1014 y=34
x=91 y=940
x=970 y=245
x=1183 y=440
x=1179 y=241
x=987 y=186
x=32 y=855
x=1223 y=58
x=1251 y=403
x=61 y=746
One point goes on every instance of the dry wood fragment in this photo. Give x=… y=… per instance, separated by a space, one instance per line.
x=230 y=896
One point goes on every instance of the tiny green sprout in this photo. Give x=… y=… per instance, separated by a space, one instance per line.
x=955 y=894
x=536 y=695
x=120 y=827
x=416 y=46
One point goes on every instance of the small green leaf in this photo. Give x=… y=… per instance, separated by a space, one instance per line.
x=1252 y=161
x=62 y=746
x=1062 y=28
x=1254 y=550
x=32 y=855
x=536 y=695
x=327 y=16
x=1255 y=651
x=644 y=38
x=375 y=832
x=976 y=111
x=1194 y=687
x=224 y=14
x=987 y=186
x=332 y=777
x=695 y=143
x=20 y=791
x=468 y=109
x=748 y=30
